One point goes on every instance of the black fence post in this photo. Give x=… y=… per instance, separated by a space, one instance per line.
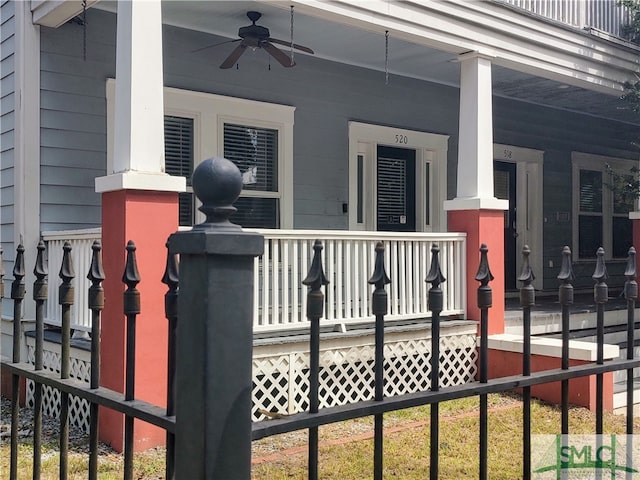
x=631 y=294
x=436 y=303
x=65 y=299
x=600 y=297
x=17 y=295
x=171 y=280
x=315 y=279
x=565 y=296
x=379 y=307
x=485 y=301
x=95 y=304
x=527 y=300
x=214 y=336
x=40 y=294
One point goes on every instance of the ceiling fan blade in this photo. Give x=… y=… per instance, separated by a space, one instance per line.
x=215 y=45
x=233 y=56
x=280 y=56
x=295 y=45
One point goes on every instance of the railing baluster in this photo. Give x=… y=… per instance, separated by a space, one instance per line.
x=600 y=296
x=95 y=304
x=40 y=290
x=315 y=306
x=171 y=280
x=379 y=307
x=527 y=300
x=65 y=299
x=565 y=296
x=131 y=309
x=485 y=301
x=17 y=295
x=435 y=278
x=631 y=294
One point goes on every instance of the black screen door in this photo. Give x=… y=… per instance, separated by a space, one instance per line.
x=396 y=189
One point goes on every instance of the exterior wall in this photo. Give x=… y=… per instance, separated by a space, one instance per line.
x=73 y=121
x=558 y=133
x=326 y=95
x=7 y=122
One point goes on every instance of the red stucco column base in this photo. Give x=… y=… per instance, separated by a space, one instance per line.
x=483 y=226
x=582 y=391
x=147 y=218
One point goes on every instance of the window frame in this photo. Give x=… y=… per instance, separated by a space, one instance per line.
x=209 y=113
x=585 y=161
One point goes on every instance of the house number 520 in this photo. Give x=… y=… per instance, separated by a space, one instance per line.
x=402 y=139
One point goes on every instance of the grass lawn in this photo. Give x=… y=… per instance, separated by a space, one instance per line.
x=346 y=450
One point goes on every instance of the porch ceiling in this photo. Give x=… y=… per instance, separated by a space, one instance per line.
x=366 y=48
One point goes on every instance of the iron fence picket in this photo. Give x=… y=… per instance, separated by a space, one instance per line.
x=379 y=308
x=95 y=304
x=40 y=288
x=527 y=300
x=17 y=295
x=565 y=296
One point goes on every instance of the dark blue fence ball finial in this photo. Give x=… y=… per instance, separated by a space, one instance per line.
x=379 y=277
x=484 y=276
x=217 y=183
x=17 y=287
x=40 y=290
x=600 y=276
x=566 y=278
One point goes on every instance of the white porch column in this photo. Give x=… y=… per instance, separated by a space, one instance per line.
x=475 y=137
x=139 y=203
x=138 y=150
x=475 y=210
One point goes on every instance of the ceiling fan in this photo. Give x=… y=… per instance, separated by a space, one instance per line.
x=256 y=36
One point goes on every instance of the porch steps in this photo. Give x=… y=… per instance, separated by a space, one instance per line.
x=583 y=328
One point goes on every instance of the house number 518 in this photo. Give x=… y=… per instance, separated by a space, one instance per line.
x=402 y=139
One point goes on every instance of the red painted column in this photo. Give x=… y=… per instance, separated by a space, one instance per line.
x=483 y=226
x=147 y=218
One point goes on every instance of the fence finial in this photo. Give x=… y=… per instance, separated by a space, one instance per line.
x=67 y=273
x=217 y=183
x=435 y=276
x=631 y=286
x=17 y=287
x=566 y=277
x=171 y=279
x=600 y=276
x=484 y=276
x=96 y=276
x=315 y=280
x=41 y=271
x=566 y=270
x=131 y=278
x=379 y=278
x=527 y=292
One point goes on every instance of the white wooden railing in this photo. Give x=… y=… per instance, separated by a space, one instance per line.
x=605 y=15
x=280 y=297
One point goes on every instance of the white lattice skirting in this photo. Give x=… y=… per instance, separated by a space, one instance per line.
x=280 y=368
x=80 y=369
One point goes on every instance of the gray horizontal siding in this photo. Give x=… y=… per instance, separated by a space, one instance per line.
x=7 y=125
x=73 y=121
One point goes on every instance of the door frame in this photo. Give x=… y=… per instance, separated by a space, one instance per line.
x=529 y=196
x=430 y=148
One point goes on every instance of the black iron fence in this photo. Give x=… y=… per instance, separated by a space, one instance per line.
x=208 y=307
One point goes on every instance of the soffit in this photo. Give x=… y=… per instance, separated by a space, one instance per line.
x=365 y=47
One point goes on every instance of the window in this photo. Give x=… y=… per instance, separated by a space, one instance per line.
x=256 y=136
x=601 y=215
x=178 y=160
